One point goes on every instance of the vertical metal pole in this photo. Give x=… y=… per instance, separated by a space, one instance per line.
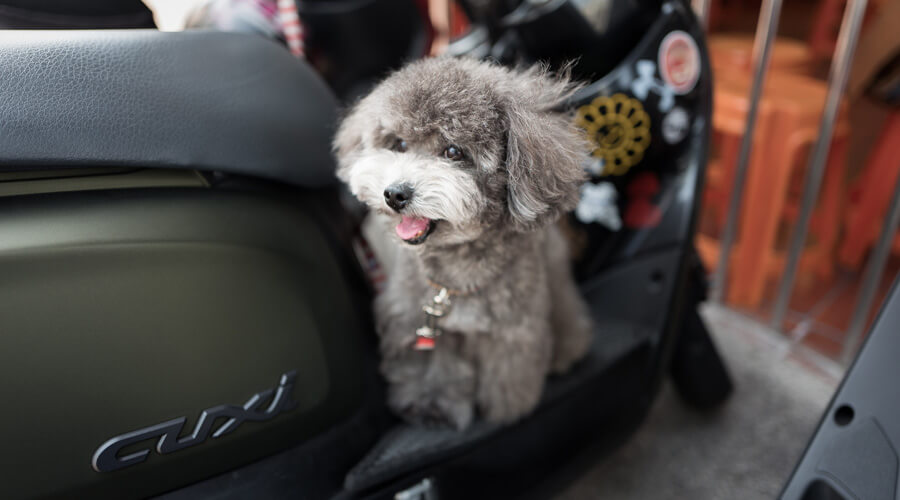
x=872 y=278
x=701 y=9
x=762 y=48
x=837 y=79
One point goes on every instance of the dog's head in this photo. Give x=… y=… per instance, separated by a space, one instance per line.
x=455 y=148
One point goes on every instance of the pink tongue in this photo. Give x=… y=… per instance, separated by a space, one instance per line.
x=409 y=227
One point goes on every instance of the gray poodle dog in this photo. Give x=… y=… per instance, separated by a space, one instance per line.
x=468 y=167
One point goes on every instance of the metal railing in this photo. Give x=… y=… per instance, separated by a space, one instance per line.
x=837 y=80
x=840 y=68
x=762 y=51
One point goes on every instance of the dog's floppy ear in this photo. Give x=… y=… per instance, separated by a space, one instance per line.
x=544 y=150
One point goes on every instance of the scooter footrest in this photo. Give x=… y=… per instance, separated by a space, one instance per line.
x=406 y=448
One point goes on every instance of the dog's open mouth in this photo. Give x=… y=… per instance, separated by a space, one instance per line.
x=415 y=230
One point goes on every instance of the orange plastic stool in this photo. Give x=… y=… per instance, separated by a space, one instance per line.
x=788 y=121
x=871 y=195
x=734 y=52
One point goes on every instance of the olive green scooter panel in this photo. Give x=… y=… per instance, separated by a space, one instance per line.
x=120 y=310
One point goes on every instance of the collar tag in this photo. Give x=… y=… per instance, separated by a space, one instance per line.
x=435 y=310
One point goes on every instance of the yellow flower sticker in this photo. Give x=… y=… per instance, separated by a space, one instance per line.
x=619 y=129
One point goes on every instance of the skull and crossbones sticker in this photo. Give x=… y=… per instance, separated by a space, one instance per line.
x=647 y=82
x=598 y=205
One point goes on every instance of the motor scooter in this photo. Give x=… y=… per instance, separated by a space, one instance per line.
x=183 y=314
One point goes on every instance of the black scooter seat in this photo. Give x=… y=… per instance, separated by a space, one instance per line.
x=195 y=100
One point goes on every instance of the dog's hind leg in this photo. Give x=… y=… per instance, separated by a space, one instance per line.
x=569 y=315
x=512 y=366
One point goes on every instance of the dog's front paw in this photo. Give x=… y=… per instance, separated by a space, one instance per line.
x=431 y=394
x=438 y=412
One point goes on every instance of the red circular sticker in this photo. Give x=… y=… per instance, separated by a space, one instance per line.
x=679 y=61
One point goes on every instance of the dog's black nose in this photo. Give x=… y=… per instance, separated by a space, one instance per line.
x=397 y=196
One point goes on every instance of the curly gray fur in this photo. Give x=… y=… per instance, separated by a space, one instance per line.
x=495 y=208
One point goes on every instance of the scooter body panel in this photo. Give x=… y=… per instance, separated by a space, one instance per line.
x=124 y=309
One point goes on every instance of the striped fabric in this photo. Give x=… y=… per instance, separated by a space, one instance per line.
x=291 y=26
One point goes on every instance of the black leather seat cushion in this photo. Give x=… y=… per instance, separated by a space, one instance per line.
x=196 y=100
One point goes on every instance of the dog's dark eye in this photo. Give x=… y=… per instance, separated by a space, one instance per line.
x=453 y=153
x=399 y=145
